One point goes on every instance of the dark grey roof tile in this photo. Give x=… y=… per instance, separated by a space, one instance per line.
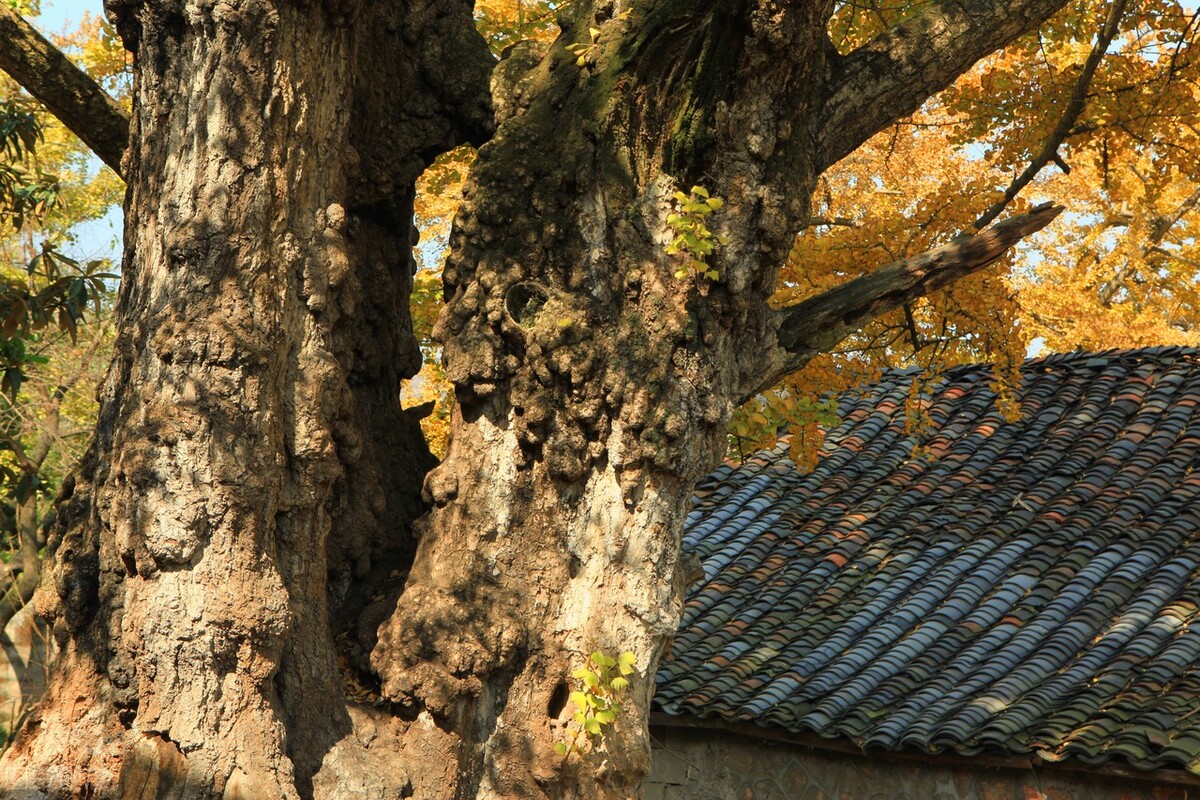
x=1028 y=586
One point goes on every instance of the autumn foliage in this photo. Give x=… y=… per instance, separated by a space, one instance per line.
x=1120 y=269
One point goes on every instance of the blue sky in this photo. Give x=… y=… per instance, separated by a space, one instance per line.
x=59 y=14
x=102 y=237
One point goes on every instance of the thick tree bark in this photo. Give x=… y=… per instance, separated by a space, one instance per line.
x=239 y=494
x=252 y=475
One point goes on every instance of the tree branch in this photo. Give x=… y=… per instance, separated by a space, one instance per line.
x=1162 y=226
x=818 y=324
x=890 y=76
x=829 y=222
x=68 y=92
x=1049 y=151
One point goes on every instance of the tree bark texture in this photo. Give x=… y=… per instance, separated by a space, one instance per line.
x=594 y=385
x=241 y=504
x=253 y=475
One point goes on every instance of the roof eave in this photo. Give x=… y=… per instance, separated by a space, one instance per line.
x=1030 y=762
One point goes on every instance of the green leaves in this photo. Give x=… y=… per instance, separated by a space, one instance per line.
x=590 y=679
x=583 y=50
x=26 y=192
x=602 y=680
x=56 y=291
x=694 y=241
x=19 y=130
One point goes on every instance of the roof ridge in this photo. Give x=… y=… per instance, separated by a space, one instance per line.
x=1067 y=360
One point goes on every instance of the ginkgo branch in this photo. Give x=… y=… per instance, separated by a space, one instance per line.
x=1049 y=152
x=1191 y=262
x=818 y=324
x=818 y=222
x=1159 y=232
x=67 y=91
x=891 y=75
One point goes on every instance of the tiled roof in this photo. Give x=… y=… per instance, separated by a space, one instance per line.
x=1022 y=587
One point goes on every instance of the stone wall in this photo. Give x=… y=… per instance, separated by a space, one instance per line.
x=707 y=764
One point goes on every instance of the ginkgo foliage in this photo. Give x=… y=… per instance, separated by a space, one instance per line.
x=1120 y=270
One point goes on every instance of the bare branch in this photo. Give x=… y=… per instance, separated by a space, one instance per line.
x=818 y=324
x=890 y=76
x=1191 y=262
x=68 y=92
x=829 y=222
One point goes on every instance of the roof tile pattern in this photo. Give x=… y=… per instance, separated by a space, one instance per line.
x=1032 y=586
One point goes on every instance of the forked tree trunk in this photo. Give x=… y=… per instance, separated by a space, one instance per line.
x=594 y=385
x=251 y=462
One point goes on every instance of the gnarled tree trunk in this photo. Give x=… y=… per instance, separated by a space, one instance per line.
x=252 y=470
x=253 y=475
x=594 y=383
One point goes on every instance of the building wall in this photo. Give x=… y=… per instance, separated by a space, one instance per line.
x=703 y=764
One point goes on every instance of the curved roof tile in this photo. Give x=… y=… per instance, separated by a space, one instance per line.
x=1017 y=587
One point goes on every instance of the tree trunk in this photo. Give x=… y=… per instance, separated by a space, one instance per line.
x=594 y=385
x=252 y=470
x=252 y=475
x=595 y=372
